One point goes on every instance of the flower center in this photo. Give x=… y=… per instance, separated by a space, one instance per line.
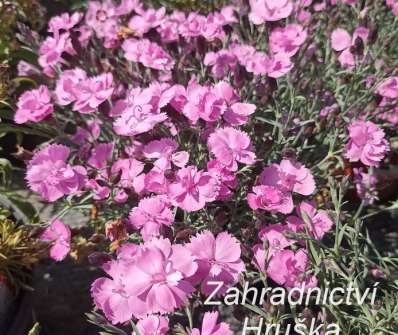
x=101 y=15
x=159 y=278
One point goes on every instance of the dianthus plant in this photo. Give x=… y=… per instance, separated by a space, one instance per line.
x=244 y=145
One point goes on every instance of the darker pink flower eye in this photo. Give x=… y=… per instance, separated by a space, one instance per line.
x=101 y=15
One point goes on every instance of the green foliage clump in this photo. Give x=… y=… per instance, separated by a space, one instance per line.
x=19 y=252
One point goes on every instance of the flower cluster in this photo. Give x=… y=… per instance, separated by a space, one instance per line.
x=277 y=184
x=207 y=147
x=343 y=42
x=274 y=193
x=284 y=43
x=158 y=277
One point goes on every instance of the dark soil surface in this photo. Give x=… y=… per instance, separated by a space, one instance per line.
x=62 y=297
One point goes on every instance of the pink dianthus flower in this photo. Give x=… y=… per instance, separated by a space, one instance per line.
x=59 y=234
x=49 y=174
x=289 y=268
x=34 y=106
x=193 y=188
x=153 y=325
x=230 y=146
x=150 y=215
x=211 y=327
x=269 y=10
x=367 y=143
x=316 y=222
x=218 y=259
x=148 y=53
x=288 y=39
x=161 y=273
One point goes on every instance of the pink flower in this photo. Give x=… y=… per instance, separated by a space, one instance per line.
x=289 y=268
x=150 y=99
x=304 y=16
x=121 y=197
x=26 y=69
x=227 y=15
x=278 y=65
x=390 y=115
x=169 y=27
x=180 y=158
x=50 y=175
x=141 y=111
x=226 y=178
x=192 y=189
x=117 y=296
x=236 y=113
x=153 y=325
x=242 y=52
x=58 y=233
x=276 y=240
x=164 y=151
x=84 y=34
x=92 y=92
x=289 y=176
x=360 y=33
x=211 y=327
x=192 y=27
x=51 y=52
x=366 y=185
x=269 y=10
x=202 y=102
x=102 y=17
x=378 y=274
x=347 y=59
x=276 y=184
x=367 y=143
x=160 y=274
x=125 y=7
x=110 y=30
x=328 y=110
x=260 y=64
x=147 y=20
x=67 y=89
x=271 y=199
x=341 y=39
x=222 y=63
x=92 y=132
x=218 y=259
x=317 y=222
x=393 y=5
x=100 y=192
x=231 y=146
x=34 y=105
x=150 y=215
x=274 y=236
x=389 y=88
x=148 y=53
x=155 y=181
x=100 y=154
x=64 y=21
x=209 y=27
x=130 y=169
x=287 y=40
x=212 y=28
